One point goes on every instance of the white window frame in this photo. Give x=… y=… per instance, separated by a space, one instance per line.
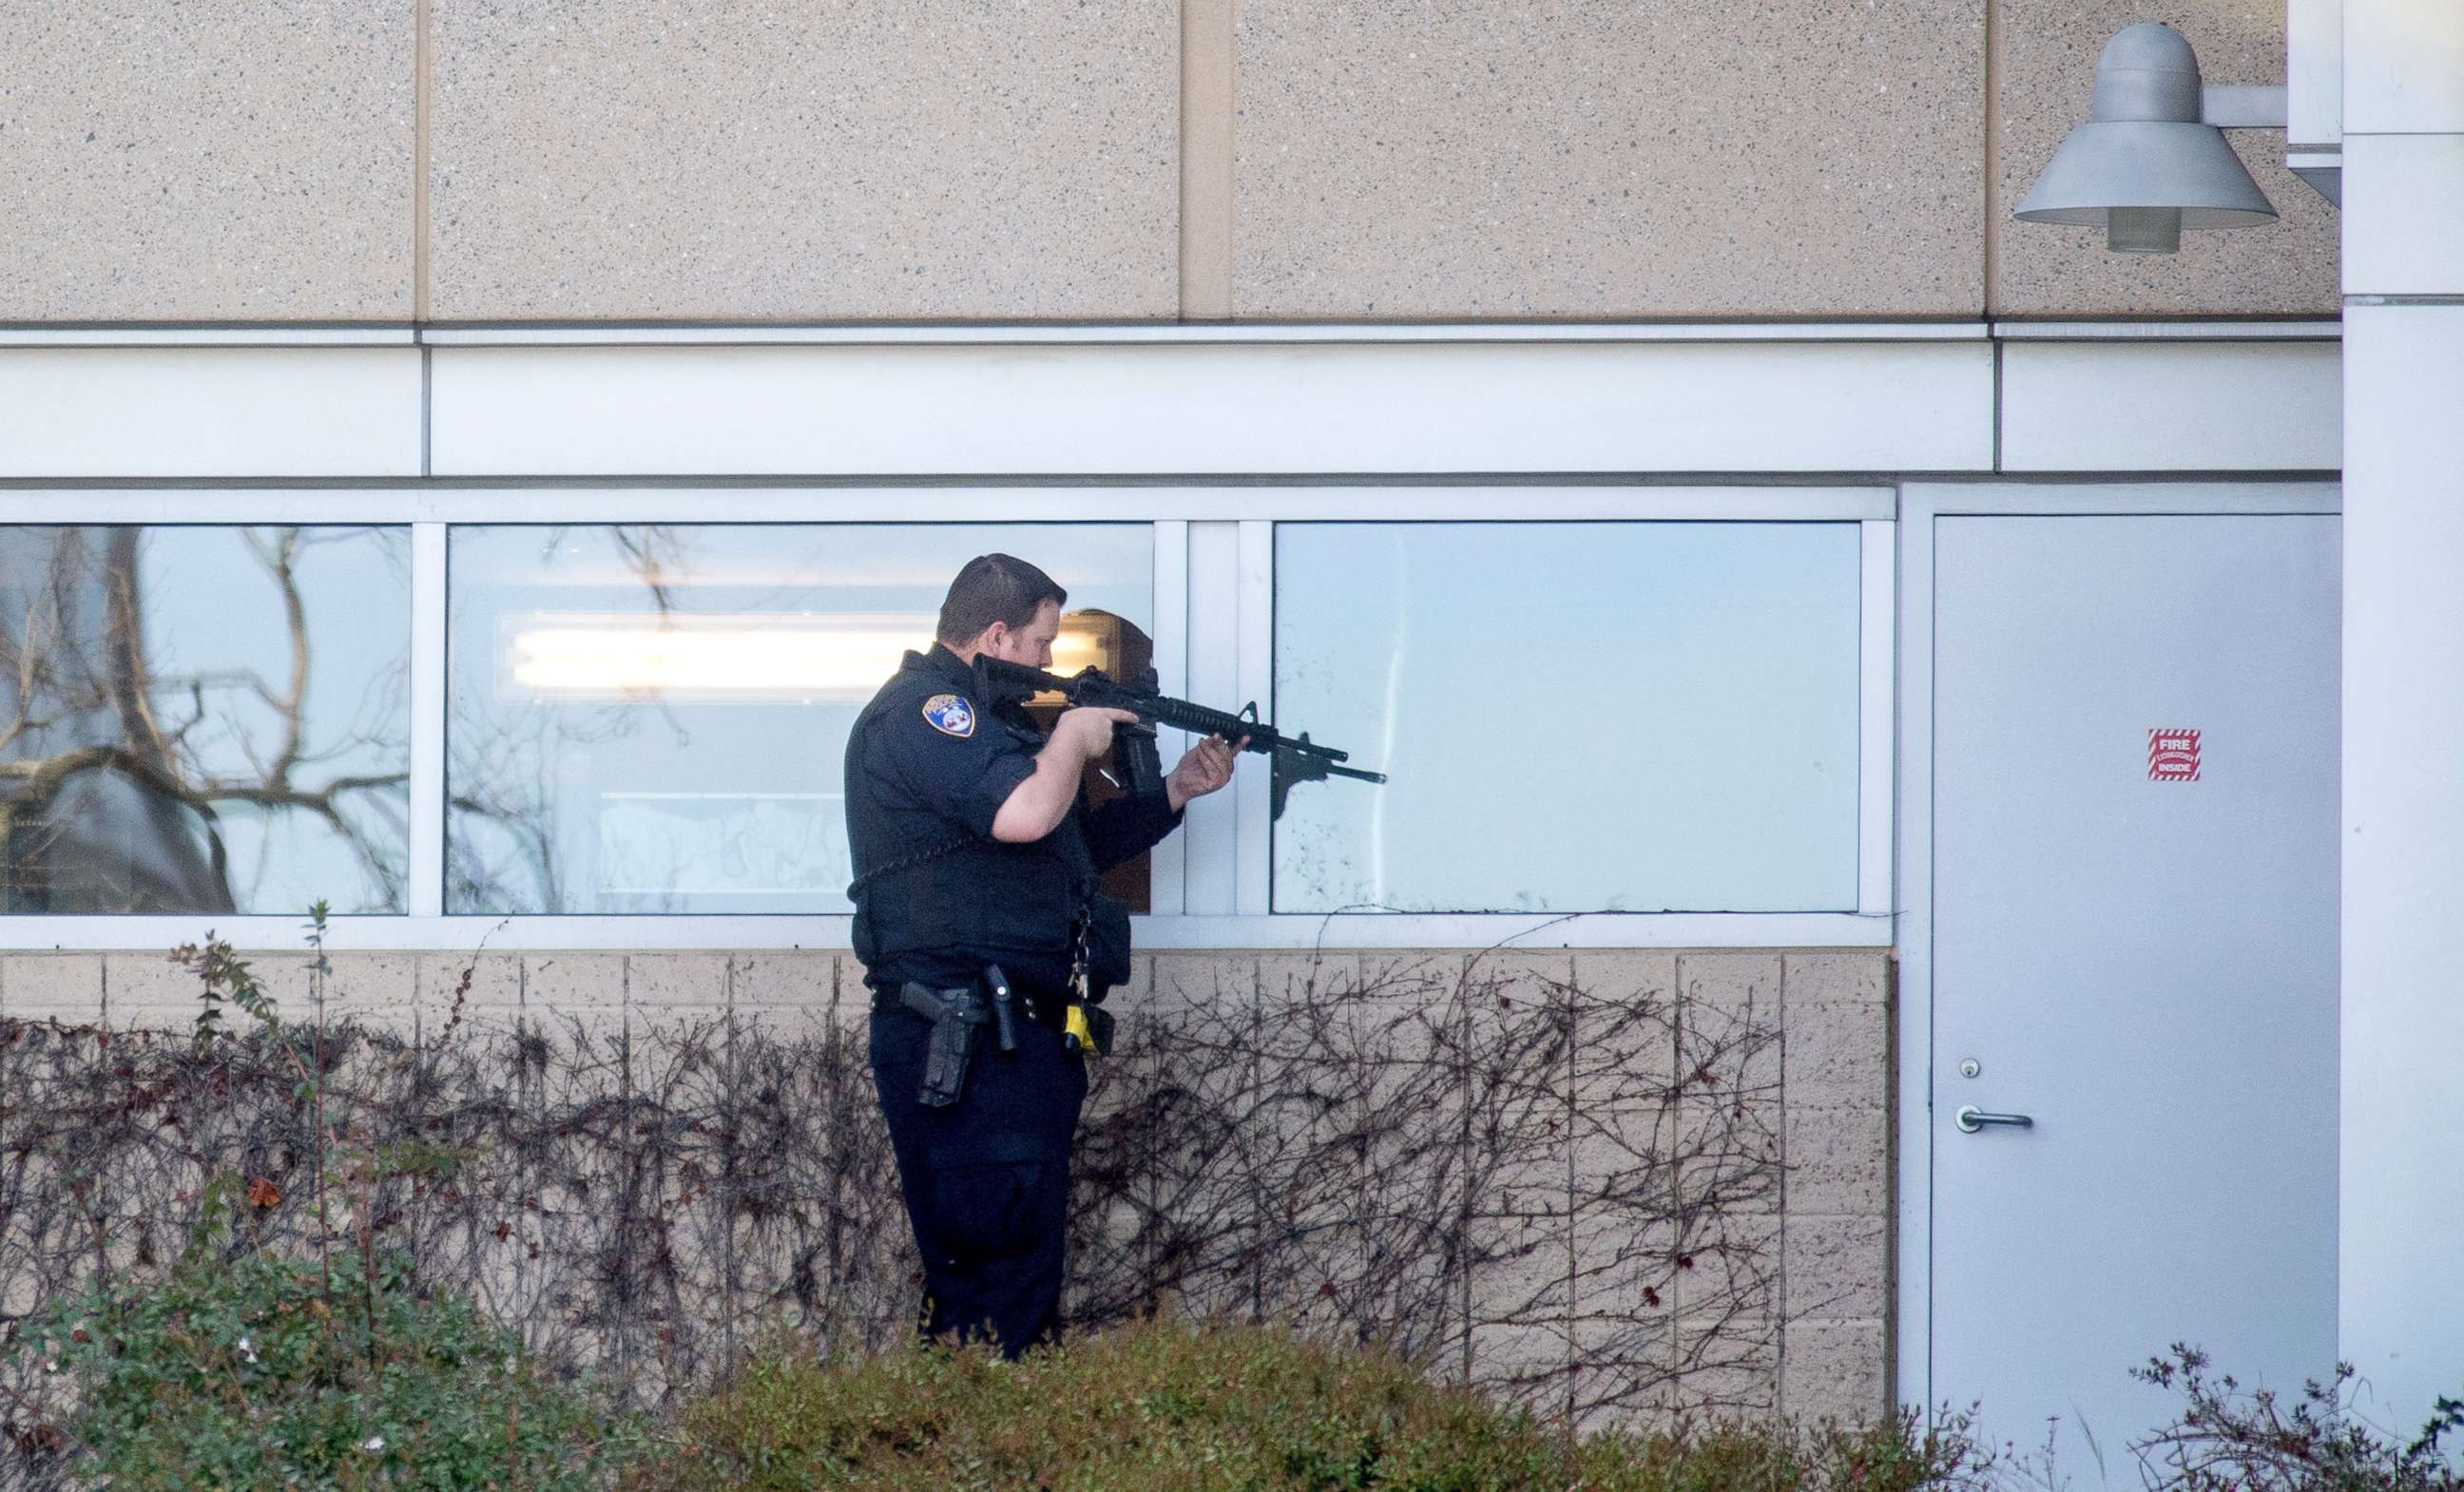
x=1214 y=556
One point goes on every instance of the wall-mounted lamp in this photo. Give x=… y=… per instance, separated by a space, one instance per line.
x=2152 y=158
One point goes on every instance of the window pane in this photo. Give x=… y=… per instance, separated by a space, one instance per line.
x=651 y=718
x=205 y=719
x=1575 y=717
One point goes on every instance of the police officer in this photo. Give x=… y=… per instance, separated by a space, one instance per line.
x=975 y=867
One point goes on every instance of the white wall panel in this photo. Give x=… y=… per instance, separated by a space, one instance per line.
x=2314 y=73
x=2404 y=218
x=210 y=412
x=2402 y=1191
x=2404 y=66
x=1204 y=410
x=2171 y=406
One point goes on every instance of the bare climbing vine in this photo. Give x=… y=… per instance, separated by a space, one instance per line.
x=1547 y=1188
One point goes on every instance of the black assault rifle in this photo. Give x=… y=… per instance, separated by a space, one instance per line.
x=1135 y=765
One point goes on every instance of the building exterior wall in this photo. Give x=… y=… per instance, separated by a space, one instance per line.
x=447 y=162
x=1810 y=1335
x=883 y=161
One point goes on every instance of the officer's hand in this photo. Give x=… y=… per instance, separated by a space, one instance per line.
x=1091 y=729
x=1207 y=766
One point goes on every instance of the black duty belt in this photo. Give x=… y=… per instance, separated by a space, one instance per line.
x=954 y=1015
x=1045 y=1010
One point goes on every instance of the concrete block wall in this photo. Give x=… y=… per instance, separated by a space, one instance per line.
x=946 y=160
x=1812 y=1339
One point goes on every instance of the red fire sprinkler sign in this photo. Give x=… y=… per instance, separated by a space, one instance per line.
x=2172 y=755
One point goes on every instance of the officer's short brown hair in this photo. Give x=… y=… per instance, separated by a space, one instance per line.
x=995 y=589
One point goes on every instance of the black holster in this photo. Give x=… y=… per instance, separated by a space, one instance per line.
x=954 y=1015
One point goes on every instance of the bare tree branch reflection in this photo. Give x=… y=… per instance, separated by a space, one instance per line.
x=120 y=770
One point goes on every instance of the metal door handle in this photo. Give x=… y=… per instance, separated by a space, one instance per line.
x=1969 y=1118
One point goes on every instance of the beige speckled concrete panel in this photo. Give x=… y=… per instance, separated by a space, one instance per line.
x=216 y=159
x=2047 y=65
x=1582 y=158
x=843 y=159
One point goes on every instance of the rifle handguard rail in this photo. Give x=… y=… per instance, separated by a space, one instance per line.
x=1300 y=757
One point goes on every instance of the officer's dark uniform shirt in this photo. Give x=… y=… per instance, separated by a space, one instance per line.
x=929 y=763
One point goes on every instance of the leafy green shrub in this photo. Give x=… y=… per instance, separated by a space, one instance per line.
x=264 y=1372
x=1155 y=1407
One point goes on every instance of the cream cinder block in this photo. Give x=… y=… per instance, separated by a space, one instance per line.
x=1837 y=1268
x=869 y=159
x=1729 y=1015
x=1838 y=1161
x=62 y=987
x=1528 y=980
x=562 y=981
x=1624 y=1110
x=1507 y=161
x=1835 y=1370
x=1726 y=1372
x=798 y=979
x=494 y=997
x=147 y=991
x=1224 y=982
x=216 y=159
x=1733 y=983
x=379 y=989
x=2044 y=71
x=1837 y=1056
x=1837 y=977
x=1724 y=1267
x=1621 y=1374
x=658 y=982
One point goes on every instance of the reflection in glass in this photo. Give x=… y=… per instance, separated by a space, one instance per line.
x=651 y=718
x=200 y=720
x=1574 y=716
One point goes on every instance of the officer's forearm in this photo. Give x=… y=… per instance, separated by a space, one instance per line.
x=1036 y=806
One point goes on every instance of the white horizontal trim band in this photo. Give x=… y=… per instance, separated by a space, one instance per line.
x=1328 y=410
x=239 y=334
x=207 y=336
x=2324 y=329
x=943 y=504
x=984 y=414
x=830 y=935
x=1172 y=333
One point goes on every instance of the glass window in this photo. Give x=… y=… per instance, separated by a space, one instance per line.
x=652 y=719
x=1575 y=717
x=204 y=719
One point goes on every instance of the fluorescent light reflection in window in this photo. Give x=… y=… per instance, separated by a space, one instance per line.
x=743 y=656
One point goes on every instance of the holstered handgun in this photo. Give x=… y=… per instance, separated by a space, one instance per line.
x=954 y=1015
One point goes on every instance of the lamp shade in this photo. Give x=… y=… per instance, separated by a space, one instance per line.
x=2144 y=168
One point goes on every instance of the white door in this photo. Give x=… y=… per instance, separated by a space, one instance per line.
x=2135 y=947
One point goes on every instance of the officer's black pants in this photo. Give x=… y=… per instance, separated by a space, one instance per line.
x=986 y=1180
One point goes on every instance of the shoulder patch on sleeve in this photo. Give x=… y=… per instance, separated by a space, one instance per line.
x=951 y=714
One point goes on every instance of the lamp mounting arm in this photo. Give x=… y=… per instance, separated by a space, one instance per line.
x=2242 y=105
